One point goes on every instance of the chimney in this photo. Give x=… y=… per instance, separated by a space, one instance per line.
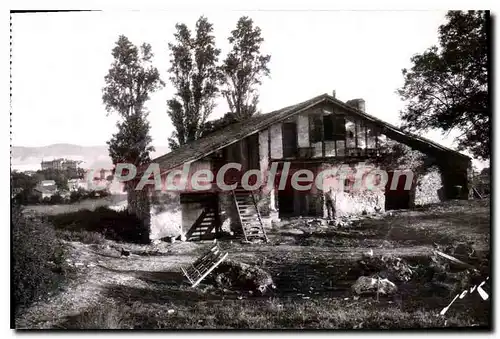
x=333 y=93
x=358 y=104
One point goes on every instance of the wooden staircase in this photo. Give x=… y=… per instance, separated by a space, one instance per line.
x=203 y=228
x=249 y=215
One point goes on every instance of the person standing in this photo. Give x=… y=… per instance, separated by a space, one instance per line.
x=330 y=203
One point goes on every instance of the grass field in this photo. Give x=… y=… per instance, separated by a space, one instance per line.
x=313 y=272
x=88 y=204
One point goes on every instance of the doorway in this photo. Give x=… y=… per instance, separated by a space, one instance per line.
x=398 y=198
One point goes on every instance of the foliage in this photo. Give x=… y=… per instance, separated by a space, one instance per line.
x=22 y=180
x=119 y=226
x=194 y=75
x=129 y=83
x=84 y=237
x=403 y=157
x=244 y=68
x=447 y=86
x=215 y=125
x=26 y=182
x=132 y=143
x=38 y=259
x=56 y=198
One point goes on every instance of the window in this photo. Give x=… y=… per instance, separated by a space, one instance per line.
x=339 y=128
x=289 y=131
x=328 y=127
x=350 y=131
x=316 y=129
x=347 y=185
x=334 y=127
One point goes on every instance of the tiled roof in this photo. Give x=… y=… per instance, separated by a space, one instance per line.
x=224 y=137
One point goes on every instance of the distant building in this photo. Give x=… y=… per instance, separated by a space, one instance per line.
x=75 y=184
x=45 y=189
x=105 y=173
x=60 y=164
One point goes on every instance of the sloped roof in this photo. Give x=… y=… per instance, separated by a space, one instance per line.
x=46 y=189
x=200 y=148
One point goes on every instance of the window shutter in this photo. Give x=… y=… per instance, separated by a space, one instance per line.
x=329 y=125
x=339 y=127
x=316 y=129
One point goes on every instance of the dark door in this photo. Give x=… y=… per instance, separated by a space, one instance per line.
x=397 y=198
x=289 y=139
x=252 y=147
x=285 y=197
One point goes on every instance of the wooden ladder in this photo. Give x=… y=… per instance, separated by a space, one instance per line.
x=249 y=214
x=202 y=267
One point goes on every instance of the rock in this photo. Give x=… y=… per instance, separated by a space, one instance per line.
x=170 y=311
x=369 y=285
x=392 y=268
x=463 y=250
x=237 y=275
x=226 y=225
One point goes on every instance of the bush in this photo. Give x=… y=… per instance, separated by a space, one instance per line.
x=76 y=196
x=56 y=199
x=104 y=317
x=119 y=226
x=38 y=259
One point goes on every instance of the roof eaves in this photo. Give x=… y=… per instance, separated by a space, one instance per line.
x=395 y=128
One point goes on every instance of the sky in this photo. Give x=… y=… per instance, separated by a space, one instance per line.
x=59 y=61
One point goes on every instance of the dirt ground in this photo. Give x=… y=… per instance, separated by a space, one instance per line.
x=313 y=268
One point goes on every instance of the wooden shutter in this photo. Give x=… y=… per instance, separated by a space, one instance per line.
x=328 y=127
x=316 y=129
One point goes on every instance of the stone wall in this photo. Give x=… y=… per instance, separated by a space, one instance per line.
x=276 y=141
x=351 y=200
x=303 y=130
x=428 y=189
x=165 y=215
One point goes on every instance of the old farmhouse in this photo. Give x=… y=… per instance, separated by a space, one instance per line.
x=316 y=134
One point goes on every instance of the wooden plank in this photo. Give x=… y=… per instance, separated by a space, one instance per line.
x=210 y=270
x=186 y=275
x=455 y=260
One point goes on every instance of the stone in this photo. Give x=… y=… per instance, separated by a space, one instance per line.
x=370 y=285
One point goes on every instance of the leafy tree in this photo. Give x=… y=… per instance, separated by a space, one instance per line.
x=56 y=199
x=447 y=86
x=59 y=176
x=217 y=124
x=129 y=83
x=244 y=68
x=194 y=75
x=22 y=180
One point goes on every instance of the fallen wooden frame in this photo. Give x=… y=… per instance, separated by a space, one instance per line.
x=202 y=267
